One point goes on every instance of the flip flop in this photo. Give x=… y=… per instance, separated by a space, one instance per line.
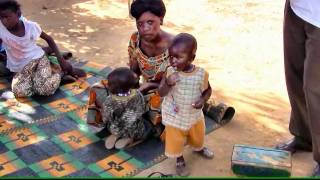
x=182 y=170
x=206 y=153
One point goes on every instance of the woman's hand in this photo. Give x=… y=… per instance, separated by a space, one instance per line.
x=147 y=86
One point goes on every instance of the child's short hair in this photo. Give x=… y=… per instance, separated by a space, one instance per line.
x=12 y=5
x=186 y=39
x=156 y=7
x=121 y=80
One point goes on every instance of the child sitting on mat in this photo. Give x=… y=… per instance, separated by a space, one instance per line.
x=116 y=104
x=185 y=89
x=33 y=73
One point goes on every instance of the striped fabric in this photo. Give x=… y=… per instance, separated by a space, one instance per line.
x=181 y=97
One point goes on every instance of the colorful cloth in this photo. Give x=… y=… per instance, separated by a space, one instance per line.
x=36 y=78
x=177 y=109
x=60 y=143
x=152 y=68
x=97 y=95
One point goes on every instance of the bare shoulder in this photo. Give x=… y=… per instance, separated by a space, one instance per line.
x=167 y=39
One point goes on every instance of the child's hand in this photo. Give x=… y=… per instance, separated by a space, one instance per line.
x=78 y=73
x=199 y=103
x=66 y=67
x=172 y=79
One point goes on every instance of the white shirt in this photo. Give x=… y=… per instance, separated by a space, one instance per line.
x=21 y=50
x=308 y=10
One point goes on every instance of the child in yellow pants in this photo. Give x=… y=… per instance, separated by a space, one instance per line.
x=185 y=89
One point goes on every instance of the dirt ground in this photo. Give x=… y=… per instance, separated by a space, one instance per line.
x=239 y=43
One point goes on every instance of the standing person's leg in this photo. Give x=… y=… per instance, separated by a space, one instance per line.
x=196 y=139
x=45 y=82
x=312 y=87
x=294 y=37
x=174 y=145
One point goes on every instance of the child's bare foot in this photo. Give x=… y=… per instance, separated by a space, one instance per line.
x=68 y=79
x=66 y=55
x=123 y=142
x=206 y=153
x=110 y=141
x=76 y=72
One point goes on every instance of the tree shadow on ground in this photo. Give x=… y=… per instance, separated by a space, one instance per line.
x=99 y=39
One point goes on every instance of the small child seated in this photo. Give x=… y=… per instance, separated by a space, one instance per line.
x=121 y=109
x=185 y=89
x=27 y=60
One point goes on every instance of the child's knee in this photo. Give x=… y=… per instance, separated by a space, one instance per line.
x=21 y=88
x=20 y=92
x=48 y=86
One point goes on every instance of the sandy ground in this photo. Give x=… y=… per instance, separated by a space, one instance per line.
x=240 y=44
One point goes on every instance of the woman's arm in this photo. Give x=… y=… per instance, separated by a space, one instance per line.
x=164 y=88
x=146 y=87
x=65 y=66
x=134 y=66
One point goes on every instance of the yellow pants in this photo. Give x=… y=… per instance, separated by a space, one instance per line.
x=175 y=139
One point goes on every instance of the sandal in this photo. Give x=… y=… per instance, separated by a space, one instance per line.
x=182 y=169
x=294 y=145
x=206 y=153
